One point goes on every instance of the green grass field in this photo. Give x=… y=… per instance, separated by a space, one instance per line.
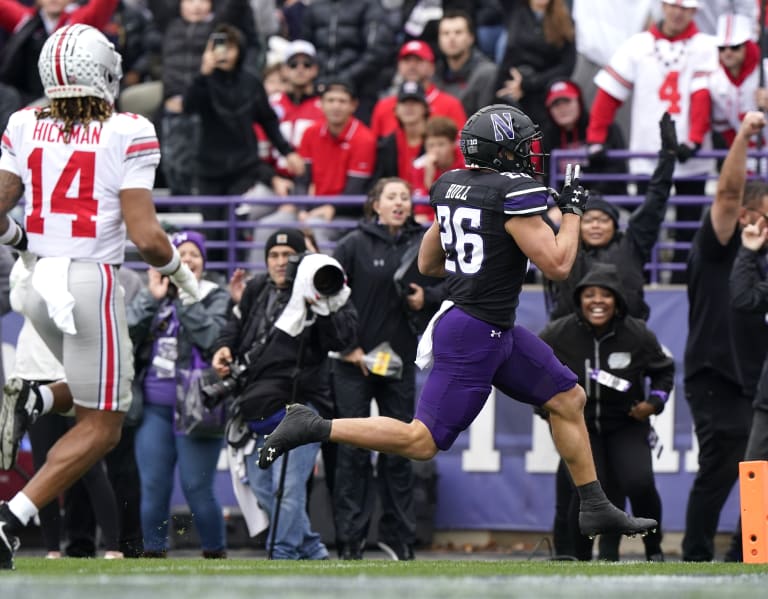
x=443 y=579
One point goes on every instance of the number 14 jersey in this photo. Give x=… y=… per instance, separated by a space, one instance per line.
x=71 y=190
x=485 y=266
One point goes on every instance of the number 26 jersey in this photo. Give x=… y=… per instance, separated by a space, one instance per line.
x=71 y=190
x=485 y=266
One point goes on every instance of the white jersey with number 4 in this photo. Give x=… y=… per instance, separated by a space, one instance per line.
x=71 y=190
x=662 y=74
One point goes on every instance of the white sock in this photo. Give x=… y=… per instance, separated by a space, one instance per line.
x=22 y=507
x=47 y=396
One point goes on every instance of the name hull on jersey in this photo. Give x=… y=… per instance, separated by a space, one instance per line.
x=457 y=192
x=51 y=132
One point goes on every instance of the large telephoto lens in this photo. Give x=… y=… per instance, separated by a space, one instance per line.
x=328 y=280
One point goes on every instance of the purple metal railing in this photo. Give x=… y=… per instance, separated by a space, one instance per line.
x=237 y=245
x=657 y=263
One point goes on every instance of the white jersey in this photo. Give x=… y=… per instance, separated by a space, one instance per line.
x=663 y=74
x=732 y=99
x=71 y=190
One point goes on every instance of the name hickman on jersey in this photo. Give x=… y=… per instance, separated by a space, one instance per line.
x=51 y=132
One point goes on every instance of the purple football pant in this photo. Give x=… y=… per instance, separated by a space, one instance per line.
x=470 y=355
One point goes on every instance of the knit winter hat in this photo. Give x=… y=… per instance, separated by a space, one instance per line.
x=597 y=202
x=290 y=237
x=192 y=236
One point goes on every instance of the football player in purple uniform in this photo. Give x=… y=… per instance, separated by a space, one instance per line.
x=488 y=225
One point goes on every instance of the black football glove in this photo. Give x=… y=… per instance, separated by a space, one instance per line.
x=686 y=151
x=573 y=198
x=668 y=135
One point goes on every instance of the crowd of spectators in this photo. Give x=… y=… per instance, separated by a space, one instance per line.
x=256 y=98
x=538 y=55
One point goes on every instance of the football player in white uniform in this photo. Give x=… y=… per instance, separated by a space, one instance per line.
x=86 y=174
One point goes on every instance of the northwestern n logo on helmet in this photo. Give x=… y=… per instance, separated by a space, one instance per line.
x=502 y=126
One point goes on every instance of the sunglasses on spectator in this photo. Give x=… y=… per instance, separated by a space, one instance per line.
x=734 y=48
x=294 y=64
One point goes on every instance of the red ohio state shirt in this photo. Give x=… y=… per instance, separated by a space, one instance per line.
x=334 y=159
x=384 y=121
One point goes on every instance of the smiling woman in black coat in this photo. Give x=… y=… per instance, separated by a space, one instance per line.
x=613 y=355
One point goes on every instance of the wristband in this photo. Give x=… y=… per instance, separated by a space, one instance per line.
x=11 y=233
x=172 y=266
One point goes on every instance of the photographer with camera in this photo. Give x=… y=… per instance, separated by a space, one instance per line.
x=273 y=351
x=394 y=303
x=173 y=337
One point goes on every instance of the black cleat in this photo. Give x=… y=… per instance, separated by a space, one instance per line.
x=20 y=408
x=607 y=518
x=9 y=543
x=299 y=426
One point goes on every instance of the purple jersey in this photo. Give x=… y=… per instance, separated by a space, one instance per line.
x=486 y=268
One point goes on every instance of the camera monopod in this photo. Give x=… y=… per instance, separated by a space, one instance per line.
x=284 y=467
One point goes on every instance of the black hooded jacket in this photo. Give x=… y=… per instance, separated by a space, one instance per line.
x=628 y=250
x=229 y=102
x=629 y=350
x=371 y=256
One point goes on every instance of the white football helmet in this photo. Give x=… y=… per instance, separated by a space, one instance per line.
x=78 y=61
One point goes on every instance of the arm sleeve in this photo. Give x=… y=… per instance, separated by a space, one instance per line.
x=266 y=117
x=749 y=293
x=203 y=320
x=355 y=186
x=142 y=155
x=196 y=94
x=661 y=373
x=139 y=314
x=237 y=320
x=434 y=295
x=96 y=13
x=603 y=112
x=12 y=13
x=338 y=330
x=645 y=223
x=701 y=107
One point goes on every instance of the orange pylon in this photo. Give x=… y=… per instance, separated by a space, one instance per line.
x=753 y=485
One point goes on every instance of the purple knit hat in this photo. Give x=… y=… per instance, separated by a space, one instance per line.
x=197 y=238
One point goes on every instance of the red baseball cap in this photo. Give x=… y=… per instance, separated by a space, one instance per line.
x=561 y=89
x=416 y=48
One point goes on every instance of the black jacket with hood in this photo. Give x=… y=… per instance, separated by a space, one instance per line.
x=229 y=102
x=371 y=256
x=628 y=250
x=628 y=350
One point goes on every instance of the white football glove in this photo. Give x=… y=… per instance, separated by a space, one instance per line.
x=185 y=280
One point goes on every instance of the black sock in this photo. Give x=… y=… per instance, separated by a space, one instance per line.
x=322 y=429
x=591 y=494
